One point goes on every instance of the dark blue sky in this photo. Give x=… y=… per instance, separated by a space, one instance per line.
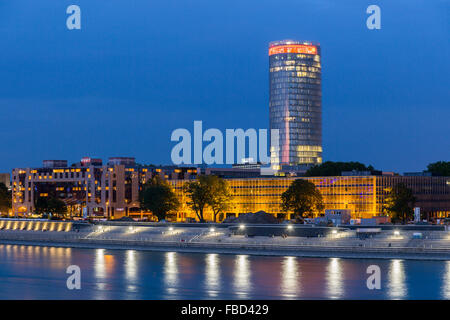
x=139 y=69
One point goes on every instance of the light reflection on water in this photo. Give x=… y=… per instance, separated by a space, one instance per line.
x=446 y=281
x=335 y=288
x=242 y=275
x=397 y=288
x=171 y=272
x=131 y=270
x=100 y=274
x=28 y=272
x=212 y=276
x=99 y=263
x=290 y=278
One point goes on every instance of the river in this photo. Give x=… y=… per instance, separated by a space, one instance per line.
x=32 y=272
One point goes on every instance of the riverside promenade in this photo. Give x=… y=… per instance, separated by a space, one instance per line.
x=283 y=240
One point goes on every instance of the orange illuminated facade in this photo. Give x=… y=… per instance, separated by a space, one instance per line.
x=356 y=194
x=293 y=48
x=364 y=196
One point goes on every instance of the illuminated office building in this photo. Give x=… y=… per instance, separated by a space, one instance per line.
x=295 y=104
x=363 y=196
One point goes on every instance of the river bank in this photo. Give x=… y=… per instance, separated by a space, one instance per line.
x=342 y=244
x=309 y=252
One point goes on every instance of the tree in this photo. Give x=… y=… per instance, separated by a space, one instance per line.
x=303 y=198
x=41 y=205
x=440 y=168
x=5 y=198
x=158 y=197
x=57 y=207
x=400 y=203
x=331 y=168
x=199 y=193
x=51 y=205
x=220 y=198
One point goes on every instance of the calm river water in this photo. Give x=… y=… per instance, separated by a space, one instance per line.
x=28 y=272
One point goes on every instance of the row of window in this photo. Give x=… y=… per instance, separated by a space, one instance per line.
x=301 y=67
x=293 y=79
x=293 y=57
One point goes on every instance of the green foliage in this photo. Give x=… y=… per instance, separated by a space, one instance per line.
x=440 y=168
x=399 y=203
x=5 y=198
x=158 y=197
x=199 y=193
x=331 y=168
x=220 y=197
x=302 y=198
x=55 y=206
x=208 y=191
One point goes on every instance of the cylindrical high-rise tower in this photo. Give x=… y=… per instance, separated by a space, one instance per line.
x=296 y=101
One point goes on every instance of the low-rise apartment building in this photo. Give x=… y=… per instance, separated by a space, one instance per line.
x=89 y=188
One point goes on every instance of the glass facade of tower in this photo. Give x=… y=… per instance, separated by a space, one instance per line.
x=296 y=102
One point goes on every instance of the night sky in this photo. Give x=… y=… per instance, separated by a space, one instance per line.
x=139 y=69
